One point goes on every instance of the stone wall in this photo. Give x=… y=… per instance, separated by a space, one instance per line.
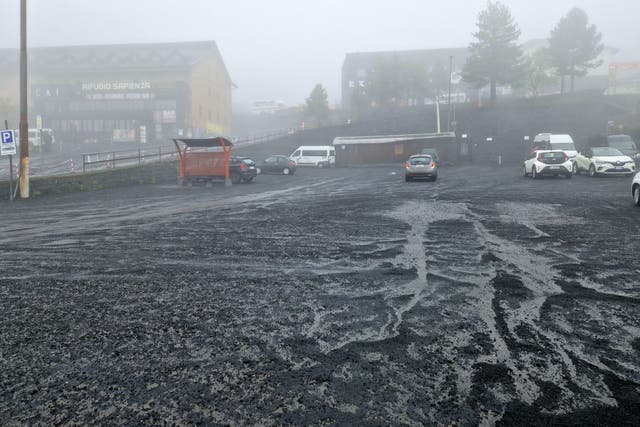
x=154 y=173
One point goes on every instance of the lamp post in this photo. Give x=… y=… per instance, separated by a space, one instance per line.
x=24 y=123
x=449 y=101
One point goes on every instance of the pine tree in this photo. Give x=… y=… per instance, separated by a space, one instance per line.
x=496 y=57
x=318 y=105
x=575 y=46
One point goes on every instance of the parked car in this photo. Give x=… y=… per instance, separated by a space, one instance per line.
x=277 y=164
x=624 y=143
x=433 y=152
x=242 y=169
x=548 y=162
x=604 y=161
x=635 y=189
x=314 y=155
x=420 y=166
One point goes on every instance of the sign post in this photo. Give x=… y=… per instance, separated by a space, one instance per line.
x=8 y=148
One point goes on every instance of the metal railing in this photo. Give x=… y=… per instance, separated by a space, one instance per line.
x=112 y=159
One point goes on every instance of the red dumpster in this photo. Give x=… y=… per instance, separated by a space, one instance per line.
x=203 y=160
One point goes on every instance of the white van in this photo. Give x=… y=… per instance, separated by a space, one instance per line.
x=314 y=155
x=39 y=139
x=549 y=141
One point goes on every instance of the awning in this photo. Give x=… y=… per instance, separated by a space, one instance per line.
x=206 y=142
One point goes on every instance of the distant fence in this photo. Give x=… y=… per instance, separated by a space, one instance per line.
x=121 y=158
x=138 y=156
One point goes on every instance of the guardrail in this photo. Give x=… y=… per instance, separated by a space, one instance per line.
x=112 y=159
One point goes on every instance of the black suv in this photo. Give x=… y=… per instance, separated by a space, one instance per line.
x=242 y=169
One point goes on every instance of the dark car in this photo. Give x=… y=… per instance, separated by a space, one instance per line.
x=242 y=169
x=433 y=152
x=277 y=164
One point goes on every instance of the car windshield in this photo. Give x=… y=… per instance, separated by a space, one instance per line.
x=625 y=143
x=606 y=152
x=554 y=155
x=421 y=160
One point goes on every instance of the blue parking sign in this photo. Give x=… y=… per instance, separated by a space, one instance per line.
x=7 y=143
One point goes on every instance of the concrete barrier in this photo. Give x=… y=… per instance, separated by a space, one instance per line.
x=153 y=173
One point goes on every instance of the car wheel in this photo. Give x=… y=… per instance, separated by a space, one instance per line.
x=575 y=170
x=286 y=171
x=235 y=178
x=524 y=171
x=407 y=178
x=569 y=175
x=435 y=178
x=247 y=179
x=534 y=173
x=636 y=195
x=321 y=165
x=592 y=171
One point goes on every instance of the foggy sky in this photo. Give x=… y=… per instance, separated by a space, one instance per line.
x=279 y=49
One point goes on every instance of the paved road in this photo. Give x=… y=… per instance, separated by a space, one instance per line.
x=341 y=296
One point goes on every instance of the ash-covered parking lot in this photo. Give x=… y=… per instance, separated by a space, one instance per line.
x=335 y=296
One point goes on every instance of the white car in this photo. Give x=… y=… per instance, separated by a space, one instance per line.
x=635 y=189
x=548 y=162
x=604 y=161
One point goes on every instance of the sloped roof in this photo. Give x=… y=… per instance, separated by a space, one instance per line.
x=386 y=139
x=113 y=57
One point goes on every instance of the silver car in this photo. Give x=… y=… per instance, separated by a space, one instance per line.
x=420 y=166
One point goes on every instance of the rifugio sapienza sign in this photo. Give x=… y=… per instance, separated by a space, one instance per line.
x=7 y=143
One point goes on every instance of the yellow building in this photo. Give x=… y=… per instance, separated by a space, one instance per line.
x=132 y=93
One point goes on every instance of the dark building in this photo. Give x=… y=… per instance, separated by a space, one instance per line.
x=359 y=68
x=138 y=93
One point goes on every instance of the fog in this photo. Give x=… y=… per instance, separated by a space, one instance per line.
x=278 y=50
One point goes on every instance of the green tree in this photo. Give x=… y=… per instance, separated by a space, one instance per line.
x=538 y=70
x=318 y=104
x=575 y=46
x=496 y=57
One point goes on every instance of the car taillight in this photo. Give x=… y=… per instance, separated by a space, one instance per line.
x=243 y=167
x=407 y=165
x=433 y=165
x=291 y=164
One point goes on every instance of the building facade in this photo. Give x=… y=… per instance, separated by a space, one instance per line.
x=433 y=65
x=130 y=94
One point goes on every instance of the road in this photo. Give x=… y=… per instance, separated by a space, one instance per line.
x=335 y=296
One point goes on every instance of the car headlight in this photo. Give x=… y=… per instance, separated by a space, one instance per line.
x=601 y=162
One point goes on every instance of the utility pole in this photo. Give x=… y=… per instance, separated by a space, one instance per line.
x=24 y=122
x=450 y=77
